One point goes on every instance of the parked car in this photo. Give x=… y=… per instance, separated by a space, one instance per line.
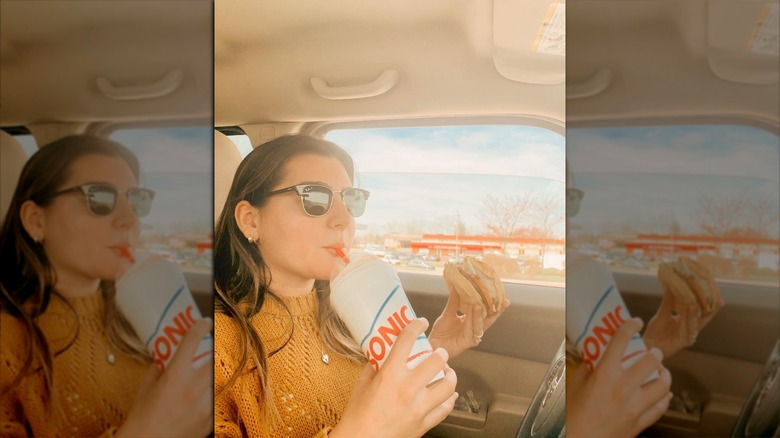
x=416 y=263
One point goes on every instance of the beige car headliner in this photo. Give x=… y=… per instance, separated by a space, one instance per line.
x=660 y=55
x=267 y=52
x=51 y=54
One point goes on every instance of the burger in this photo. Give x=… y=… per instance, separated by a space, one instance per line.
x=476 y=282
x=690 y=282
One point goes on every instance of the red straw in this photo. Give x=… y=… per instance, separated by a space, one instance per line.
x=341 y=254
x=127 y=254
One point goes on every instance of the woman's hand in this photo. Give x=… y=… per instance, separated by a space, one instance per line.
x=457 y=333
x=178 y=402
x=676 y=326
x=615 y=402
x=396 y=402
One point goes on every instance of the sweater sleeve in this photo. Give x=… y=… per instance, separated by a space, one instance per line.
x=226 y=400
x=13 y=421
x=23 y=409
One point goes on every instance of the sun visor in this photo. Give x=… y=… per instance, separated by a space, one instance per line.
x=529 y=41
x=743 y=40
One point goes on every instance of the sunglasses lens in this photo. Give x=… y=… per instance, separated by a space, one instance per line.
x=101 y=200
x=355 y=201
x=316 y=200
x=141 y=200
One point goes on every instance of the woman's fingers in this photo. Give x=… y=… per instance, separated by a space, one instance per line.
x=428 y=368
x=439 y=413
x=640 y=370
x=404 y=343
x=653 y=413
x=189 y=345
x=619 y=343
x=453 y=304
x=692 y=324
x=469 y=331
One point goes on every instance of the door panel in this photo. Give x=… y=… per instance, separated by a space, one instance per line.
x=505 y=370
x=716 y=375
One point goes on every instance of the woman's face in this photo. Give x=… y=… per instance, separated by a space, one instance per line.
x=81 y=246
x=296 y=247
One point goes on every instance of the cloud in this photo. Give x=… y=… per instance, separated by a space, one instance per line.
x=490 y=150
x=171 y=149
x=709 y=150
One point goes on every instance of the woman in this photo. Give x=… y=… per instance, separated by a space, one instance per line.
x=613 y=400
x=285 y=364
x=70 y=364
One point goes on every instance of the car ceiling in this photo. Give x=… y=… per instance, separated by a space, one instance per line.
x=669 y=60
x=52 y=53
x=267 y=52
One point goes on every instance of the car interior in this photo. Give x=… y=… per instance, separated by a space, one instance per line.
x=668 y=65
x=166 y=74
x=139 y=75
x=318 y=68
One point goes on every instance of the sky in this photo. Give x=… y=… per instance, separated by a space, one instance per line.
x=426 y=174
x=642 y=173
x=177 y=163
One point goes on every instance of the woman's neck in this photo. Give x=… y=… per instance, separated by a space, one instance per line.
x=292 y=288
x=77 y=287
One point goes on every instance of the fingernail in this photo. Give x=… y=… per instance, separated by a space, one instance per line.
x=657 y=353
x=457 y=395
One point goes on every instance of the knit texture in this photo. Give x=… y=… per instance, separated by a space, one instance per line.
x=310 y=395
x=91 y=396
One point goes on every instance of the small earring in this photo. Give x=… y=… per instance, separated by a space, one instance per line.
x=36 y=239
x=250 y=239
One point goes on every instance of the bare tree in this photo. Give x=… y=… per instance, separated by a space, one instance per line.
x=503 y=217
x=548 y=214
x=717 y=215
x=761 y=214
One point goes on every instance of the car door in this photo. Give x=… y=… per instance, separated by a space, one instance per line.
x=676 y=149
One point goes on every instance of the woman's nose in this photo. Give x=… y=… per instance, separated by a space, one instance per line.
x=339 y=216
x=124 y=214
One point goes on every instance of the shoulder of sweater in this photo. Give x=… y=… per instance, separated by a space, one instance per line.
x=12 y=338
x=12 y=331
x=224 y=325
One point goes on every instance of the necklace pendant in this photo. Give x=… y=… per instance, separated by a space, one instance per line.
x=325 y=358
x=110 y=358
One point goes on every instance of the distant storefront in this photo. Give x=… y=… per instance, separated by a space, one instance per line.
x=663 y=245
x=450 y=245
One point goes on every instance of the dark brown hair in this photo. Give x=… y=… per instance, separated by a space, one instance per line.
x=27 y=279
x=241 y=277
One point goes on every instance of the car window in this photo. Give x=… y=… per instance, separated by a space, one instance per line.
x=242 y=143
x=28 y=143
x=653 y=193
x=176 y=163
x=495 y=192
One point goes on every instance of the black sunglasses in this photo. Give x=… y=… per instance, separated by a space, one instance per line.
x=317 y=199
x=101 y=198
x=574 y=194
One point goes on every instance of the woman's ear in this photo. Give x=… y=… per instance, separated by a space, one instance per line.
x=248 y=220
x=33 y=220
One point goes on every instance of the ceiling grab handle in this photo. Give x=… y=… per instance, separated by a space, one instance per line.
x=167 y=85
x=593 y=86
x=384 y=83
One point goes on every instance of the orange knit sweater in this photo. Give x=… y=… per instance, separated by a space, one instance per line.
x=309 y=395
x=91 y=396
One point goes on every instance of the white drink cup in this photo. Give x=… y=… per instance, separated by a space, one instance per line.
x=595 y=310
x=369 y=298
x=153 y=295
